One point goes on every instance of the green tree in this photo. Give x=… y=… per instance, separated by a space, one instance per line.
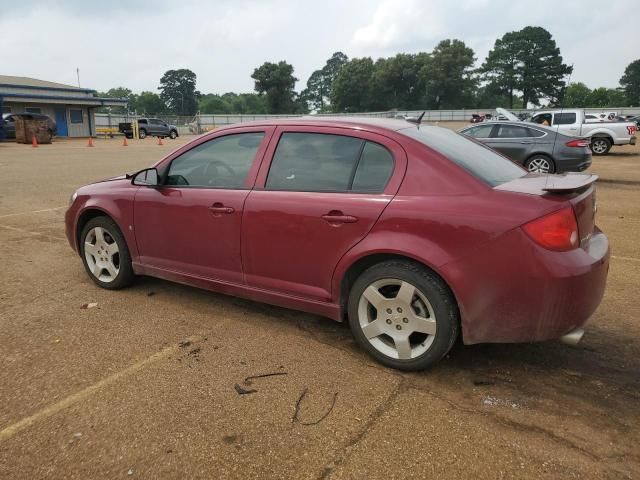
x=527 y=61
x=630 y=81
x=119 y=92
x=397 y=82
x=491 y=96
x=178 y=91
x=316 y=93
x=576 y=95
x=276 y=82
x=449 y=79
x=352 y=87
x=606 y=97
x=150 y=103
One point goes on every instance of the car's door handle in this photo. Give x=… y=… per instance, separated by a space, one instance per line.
x=526 y=143
x=336 y=216
x=220 y=208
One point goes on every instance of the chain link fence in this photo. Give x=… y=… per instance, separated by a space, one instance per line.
x=202 y=123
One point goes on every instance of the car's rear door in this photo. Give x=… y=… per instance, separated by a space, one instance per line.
x=192 y=223
x=511 y=140
x=320 y=194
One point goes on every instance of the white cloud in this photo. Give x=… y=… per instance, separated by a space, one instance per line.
x=133 y=43
x=396 y=21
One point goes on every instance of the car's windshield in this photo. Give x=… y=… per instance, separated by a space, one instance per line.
x=480 y=161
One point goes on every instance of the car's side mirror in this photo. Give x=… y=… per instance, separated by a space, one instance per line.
x=146 y=178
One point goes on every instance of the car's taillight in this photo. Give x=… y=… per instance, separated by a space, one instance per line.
x=577 y=143
x=557 y=231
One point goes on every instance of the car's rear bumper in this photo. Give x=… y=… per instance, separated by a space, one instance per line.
x=577 y=164
x=512 y=290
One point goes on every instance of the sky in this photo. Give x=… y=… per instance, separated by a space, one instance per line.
x=132 y=43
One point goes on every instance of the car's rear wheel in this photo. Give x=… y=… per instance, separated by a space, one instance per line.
x=173 y=134
x=540 y=164
x=600 y=145
x=142 y=134
x=403 y=315
x=105 y=254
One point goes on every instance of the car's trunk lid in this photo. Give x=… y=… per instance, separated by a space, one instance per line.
x=577 y=188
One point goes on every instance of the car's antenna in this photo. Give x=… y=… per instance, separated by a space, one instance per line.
x=555 y=138
x=415 y=120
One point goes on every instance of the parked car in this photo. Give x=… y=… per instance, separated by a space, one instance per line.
x=603 y=135
x=149 y=127
x=413 y=234
x=478 y=117
x=635 y=119
x=9 y=120
x=539 y=149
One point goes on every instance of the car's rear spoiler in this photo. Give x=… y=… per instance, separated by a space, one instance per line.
x=569 y=182
x=537 y=184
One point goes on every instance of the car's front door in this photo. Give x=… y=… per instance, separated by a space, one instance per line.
x=321 y=194
x=513 y=141
x=155 y=127
x=191 y=224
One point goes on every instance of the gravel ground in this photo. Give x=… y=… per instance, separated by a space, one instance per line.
x=142 y=385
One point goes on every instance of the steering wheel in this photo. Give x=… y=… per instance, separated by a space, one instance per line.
x=211 y=170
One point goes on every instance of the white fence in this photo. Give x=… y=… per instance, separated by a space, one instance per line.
x=203 y=122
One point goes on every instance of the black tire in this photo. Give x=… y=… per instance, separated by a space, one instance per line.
x=173 y=134
x=142 y=134
x=125 y=275
x=600 y=145
x=429 y=285
x=539 y=160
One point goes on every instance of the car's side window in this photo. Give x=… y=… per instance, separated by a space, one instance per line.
x=512 y=131
x=223 y=162
x=533 y=132
x=564 y=119
x=374 y=169
x=314 y=162
x=482 y=131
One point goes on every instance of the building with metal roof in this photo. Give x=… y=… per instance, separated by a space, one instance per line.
x=72 y=108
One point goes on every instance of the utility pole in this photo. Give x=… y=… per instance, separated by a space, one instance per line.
x=78 y=75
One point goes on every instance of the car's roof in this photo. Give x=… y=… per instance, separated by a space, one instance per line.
x=519 y=124
x=367 y=123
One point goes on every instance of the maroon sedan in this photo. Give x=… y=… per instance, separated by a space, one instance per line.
x=413 y=234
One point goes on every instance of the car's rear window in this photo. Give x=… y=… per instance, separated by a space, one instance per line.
x=480 y=161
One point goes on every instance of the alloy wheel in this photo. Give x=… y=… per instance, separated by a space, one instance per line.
x=397 y=319
x=539 y=165
x=599 y=146
x=102 y=254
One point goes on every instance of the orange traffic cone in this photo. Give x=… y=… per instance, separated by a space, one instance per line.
x=125 y=143
x=160 y=142
x=90 y=144
x=34 y=142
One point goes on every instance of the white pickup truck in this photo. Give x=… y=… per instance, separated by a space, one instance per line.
x=603 y=135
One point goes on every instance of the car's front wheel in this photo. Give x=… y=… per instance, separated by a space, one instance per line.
x=173 y=134
x=105 y=254
x=142 y=134
x=403 y=315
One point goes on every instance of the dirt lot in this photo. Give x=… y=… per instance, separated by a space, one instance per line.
x=142 y=385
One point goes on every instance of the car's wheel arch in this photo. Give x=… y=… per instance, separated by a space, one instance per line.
x=93 y=211
x=85 y=217
x=348 y=271
x=602 y=135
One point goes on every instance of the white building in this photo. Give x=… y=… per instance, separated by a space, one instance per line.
x=71 y=107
